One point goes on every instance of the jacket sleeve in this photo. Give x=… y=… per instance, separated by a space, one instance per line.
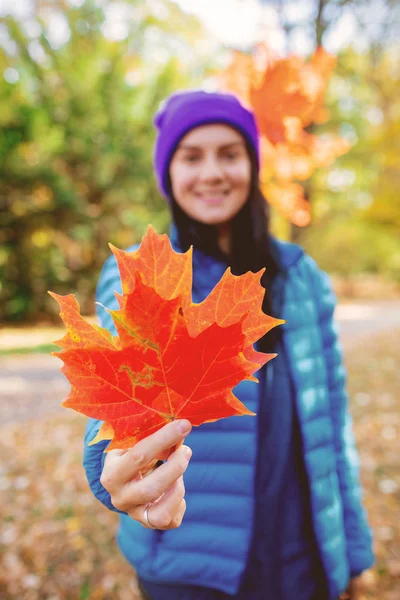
x=358 y=532
x=94 y=456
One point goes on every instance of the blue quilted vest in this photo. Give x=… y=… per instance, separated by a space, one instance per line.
x=212 y=544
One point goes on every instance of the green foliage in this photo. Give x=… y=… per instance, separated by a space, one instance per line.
x=356 y=204
x=38 y=349
x=350 y=247
x=76 y=140
x=76 y=137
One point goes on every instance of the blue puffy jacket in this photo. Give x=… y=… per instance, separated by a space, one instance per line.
x=212 y=544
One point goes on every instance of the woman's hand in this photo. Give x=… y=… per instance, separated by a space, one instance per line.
x=162 y=490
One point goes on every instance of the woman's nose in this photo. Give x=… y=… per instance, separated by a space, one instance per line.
x=211 y=169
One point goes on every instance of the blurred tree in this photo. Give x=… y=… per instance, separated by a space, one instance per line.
x=356 y=205
x=78 y=88
x=368 y=23
x=369 y=26
x=384 y=143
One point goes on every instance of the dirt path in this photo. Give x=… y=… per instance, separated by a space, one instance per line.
x=361 y=320
x=32 y=386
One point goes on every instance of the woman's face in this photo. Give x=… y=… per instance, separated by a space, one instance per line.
x=211 y=173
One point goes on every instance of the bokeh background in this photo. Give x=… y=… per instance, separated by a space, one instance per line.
x=80 y=81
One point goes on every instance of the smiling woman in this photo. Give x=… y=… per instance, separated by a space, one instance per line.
x=273 y=500
x=211 y=174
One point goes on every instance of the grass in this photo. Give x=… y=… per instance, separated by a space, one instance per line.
x=24 y=350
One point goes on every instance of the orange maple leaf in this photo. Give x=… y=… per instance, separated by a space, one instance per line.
x=286 y=95
x=291 y=87
x=171 y=358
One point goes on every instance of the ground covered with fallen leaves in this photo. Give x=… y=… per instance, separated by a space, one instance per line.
x=57 y=541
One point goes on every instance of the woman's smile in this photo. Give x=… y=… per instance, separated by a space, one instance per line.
x=212 y=198
x=210 y=174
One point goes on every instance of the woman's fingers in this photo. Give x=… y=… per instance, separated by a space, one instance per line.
x=168 y=508
x=132 y=492
x=122 y=466
x=148 y=449
x=152 y=487
x=177 y=520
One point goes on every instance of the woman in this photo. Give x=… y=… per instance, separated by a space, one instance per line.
x=273 y=502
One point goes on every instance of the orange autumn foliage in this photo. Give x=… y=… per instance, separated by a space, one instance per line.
x=171 y=358
x=286 y=96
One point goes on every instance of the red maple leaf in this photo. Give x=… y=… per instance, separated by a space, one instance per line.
x=171 y=358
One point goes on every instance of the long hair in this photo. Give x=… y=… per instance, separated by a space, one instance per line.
x=251 y=247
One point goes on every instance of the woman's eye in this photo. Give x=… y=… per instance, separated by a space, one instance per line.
x=231 y=155
x=191 y=159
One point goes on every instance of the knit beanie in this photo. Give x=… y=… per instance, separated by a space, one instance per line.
x=185 y=110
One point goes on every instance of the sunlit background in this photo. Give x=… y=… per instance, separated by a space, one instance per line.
x=79 y=83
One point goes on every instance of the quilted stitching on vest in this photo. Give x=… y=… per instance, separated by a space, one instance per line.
x=211 y=546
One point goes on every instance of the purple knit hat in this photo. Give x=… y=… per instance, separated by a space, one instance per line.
x=186 y=110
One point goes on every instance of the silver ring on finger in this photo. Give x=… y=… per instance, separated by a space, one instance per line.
x=146 y=515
